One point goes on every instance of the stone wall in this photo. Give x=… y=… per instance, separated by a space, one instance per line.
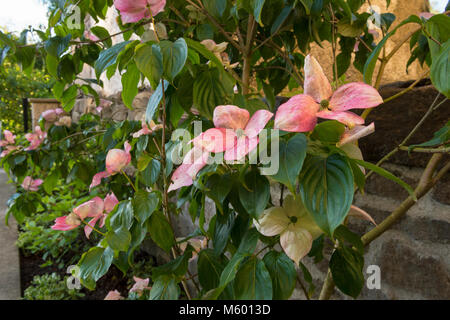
x=396 y=68
x=117 y=111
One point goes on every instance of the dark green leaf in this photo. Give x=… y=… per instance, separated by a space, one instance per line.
x=292 y=155
x=161 y=231
x=326 y=187
x=144 y=203
x=174 y=57
x=253 y=281
x=257 y=196
x=283 y=274
x=346 y=268
x=149 y=61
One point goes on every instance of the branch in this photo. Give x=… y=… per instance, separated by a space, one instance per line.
x=432 y=108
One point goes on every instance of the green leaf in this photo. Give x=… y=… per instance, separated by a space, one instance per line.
x=343 y=234
x=164 y=288
x=346 y=267
x=328 y=132
x=51 y=181
x=174 y=57
x=102 y=33
x=257 y=6
x=154 y=101
x=257 y=196
x=151 y=173
x=215 y=7
x=326 y=188
x=56 y=46
x=307 y=4
x=440 y=70
x=222 y=230
x=69 y=98
x=283 y=274
x=278 y=23
x=130 y=82
x=144 y=203
x=211 y=88
x=384 y=173
x=119 y=239
x=94 y=264
x=200 y=48
x=108 y=57
x=161 y=231
x=210 y=267
x=121 y=216
x=438 y=27
x=292 y=155
x=149 y=61
x=219 y=186
x=253 y=281
x=440 y=137
x=369 y=67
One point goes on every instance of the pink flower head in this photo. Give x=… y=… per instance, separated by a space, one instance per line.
x=94 y=208
x=116 y=160
x=35 y=138
x=140 y=285
x=66 y=223
x=358 y=132
x=235 y=133
x=8 y=149
x=9 y=138
x=31 y=185
x=136 y=10
x=113 y=295
x=110 y=202
x=146 y=130
x=426 y=15
x=193 y=162
x=52 y=114
x=300 y=113
x=91 y=208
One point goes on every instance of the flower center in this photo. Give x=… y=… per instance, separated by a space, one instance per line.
x=324 y=104
x=293 y=219
x=72 y=219
x=240 y=133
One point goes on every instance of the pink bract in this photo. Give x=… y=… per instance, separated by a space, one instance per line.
x=9 y=138
x=140 y=285
x=300 y=113
x=91 y=208
x=35 y=138
x=31 y=185
x=116 y=160
x=240 y=138
x=136 y=10
x=62 y=224
x=110 y=202
x=113 y=295
x=235 y=133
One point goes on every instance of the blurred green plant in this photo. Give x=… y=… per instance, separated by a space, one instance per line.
x=50 y=287
x=16 y=85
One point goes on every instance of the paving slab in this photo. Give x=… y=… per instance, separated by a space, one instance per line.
x=9 y=253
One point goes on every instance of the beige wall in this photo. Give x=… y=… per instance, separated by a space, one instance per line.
x=396 y=69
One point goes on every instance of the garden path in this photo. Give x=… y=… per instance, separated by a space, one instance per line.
x=9 y=254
